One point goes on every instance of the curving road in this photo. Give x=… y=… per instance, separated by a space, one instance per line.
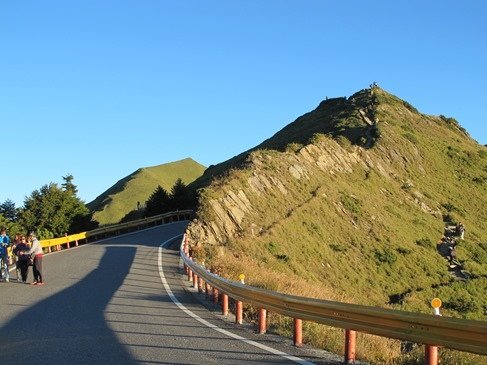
x=113 y=302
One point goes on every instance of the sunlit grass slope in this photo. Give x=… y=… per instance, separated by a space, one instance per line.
x=349 y=203
x=121 y=198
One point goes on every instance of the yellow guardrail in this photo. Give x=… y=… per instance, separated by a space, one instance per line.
x=63 y=240
x=454 y=333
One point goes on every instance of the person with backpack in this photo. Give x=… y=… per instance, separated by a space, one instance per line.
x=4 y=245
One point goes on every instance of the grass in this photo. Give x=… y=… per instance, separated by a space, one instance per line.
x=120 y=199
x=356 y=224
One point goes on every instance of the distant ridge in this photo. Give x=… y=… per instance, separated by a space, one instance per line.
x=117 y=201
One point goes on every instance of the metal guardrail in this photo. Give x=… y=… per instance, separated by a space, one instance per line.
x=63 y=240
x=115 y=228
x=145 y=222
x=454 y=333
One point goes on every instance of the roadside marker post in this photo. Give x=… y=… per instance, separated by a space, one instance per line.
x=431 y=352
x=239 y=304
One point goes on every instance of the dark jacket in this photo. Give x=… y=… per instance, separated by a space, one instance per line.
x=19 y=249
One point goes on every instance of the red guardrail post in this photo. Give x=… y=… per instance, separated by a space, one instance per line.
x=262 y=321
x=200 y=285
x=238 y=312
x=195 y=280
x=298 y=332
x=225 y=304
x=430 y=355
x=350 y=339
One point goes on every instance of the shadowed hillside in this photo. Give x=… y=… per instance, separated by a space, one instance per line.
x=350 y=202
x=121 y=198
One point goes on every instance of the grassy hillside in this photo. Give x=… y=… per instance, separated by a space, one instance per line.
x=349 y=203
x=121 y=198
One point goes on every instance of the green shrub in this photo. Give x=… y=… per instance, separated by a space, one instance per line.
x=284 y=258
x=424 y=242
x=271 y=247
x=403 y=250
x=337 y=247
x=461 y=302
x=351 y=203
x=449 y=207
x=385 y=257
x=480 y=180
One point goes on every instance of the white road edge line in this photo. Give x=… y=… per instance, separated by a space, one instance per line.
x=212 y=326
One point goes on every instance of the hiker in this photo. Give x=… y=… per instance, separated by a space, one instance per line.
x=460 y=230
x=4 y=245
x=36 y=250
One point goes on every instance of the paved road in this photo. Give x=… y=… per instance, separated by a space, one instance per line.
x=106 y=303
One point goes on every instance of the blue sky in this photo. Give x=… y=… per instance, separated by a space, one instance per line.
x=98 y=89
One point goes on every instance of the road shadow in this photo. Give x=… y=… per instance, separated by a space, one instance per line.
x=67 y=327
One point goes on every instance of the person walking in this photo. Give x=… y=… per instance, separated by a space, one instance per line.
x=461 y=230
x=4 y=245
x=21 y=250
x=36 y=250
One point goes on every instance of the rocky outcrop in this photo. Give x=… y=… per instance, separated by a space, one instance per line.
x=273 y=176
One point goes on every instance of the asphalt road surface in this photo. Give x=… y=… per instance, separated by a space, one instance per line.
x=113 y=302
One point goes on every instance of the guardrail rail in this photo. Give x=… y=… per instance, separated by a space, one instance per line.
x=74 y=240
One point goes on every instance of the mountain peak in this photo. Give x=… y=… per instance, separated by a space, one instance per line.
x=366 y=182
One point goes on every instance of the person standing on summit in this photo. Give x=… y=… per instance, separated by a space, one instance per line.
x=36 y=250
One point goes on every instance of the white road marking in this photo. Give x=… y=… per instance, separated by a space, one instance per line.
x=212 y=326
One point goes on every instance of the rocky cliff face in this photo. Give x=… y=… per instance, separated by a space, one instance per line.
x=233 y=208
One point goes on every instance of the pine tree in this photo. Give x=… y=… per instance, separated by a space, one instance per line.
x=68 y=185
x=157 y=203
x=180 y=196
x=8 y=210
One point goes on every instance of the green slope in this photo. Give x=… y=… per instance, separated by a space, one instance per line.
x=121 y=198
x=349 y=203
